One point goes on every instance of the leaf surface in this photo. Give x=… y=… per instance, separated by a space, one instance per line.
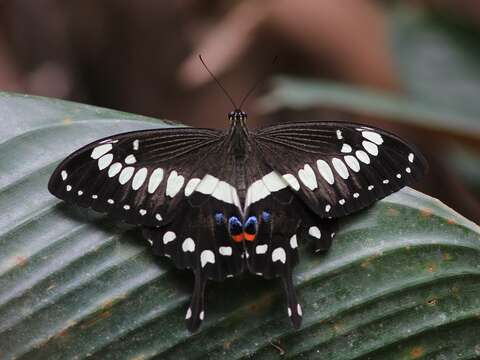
x=402 y=279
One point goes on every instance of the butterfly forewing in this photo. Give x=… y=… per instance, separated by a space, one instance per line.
x=339 y=168
x=141 y=177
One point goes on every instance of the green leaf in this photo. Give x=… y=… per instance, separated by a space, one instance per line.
x=464 y=161
x=438 y=60
x=401 y=280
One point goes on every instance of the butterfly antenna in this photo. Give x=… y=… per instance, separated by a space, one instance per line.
x=218 y=83
x=254 y=87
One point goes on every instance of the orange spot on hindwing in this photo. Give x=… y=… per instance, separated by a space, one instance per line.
x=249 y=237
x=237 y=238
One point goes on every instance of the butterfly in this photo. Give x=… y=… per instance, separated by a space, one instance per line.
x=223 y=202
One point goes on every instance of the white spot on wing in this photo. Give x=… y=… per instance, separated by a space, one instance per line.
x=202 y=315
x=69 y=188
x=315 y=232
x=257 y=191
x=408 y=170
x=327 y=208
x=293 y=242
x=339 y=134
x=142 y=212
x=207 y=256
x=136 y=145
x=111 y=201
x=207 y=185
x=346 y=148
x=188 y=315
x=155 y=179
x=289 y=311
x=261 y=249
x=307 y=176
x=101 y=150
x=225 y=250
x=188 y=245
x=191 y=185
x=105 y=161
x=371 y=148
x=226 y=193
x=299 y=310
x=126 y=175
x=373 y=137
x=274 y=182
x=370 y=187
x=292 y=181
x=168 y=237
x=352 y=163
x=341 y=201
x=114 y=169
x=362 y=156
x=356 y=195
x=279 y=255
x=174 y=184
x=340 y=168
x=64 y=175
x=130 y=159
x=326 y=172
x=210 y=185
x=139 y=178
x=158 y=217
x=126 y=207
x=411 y=157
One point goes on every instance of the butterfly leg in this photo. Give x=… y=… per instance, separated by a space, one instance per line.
x=321 y=234
x=294 y=309
x=195 y=312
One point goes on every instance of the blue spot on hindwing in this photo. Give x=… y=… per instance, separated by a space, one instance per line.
x=219 y=218
x=235 y=226
x=265 y=216
x=250 y=226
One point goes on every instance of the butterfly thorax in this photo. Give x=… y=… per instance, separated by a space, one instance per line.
x=239 y=149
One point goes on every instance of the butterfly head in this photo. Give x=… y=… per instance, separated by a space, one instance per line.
x=237 y=115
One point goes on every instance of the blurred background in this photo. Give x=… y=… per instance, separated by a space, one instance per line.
x=411 y=67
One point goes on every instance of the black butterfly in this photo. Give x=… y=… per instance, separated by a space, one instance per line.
x=221 y=202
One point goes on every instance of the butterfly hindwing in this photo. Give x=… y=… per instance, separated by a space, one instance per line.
x=274 y=250
x=339 y=168
x=198 y=239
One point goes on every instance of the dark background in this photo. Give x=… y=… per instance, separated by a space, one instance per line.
x=141 y=57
